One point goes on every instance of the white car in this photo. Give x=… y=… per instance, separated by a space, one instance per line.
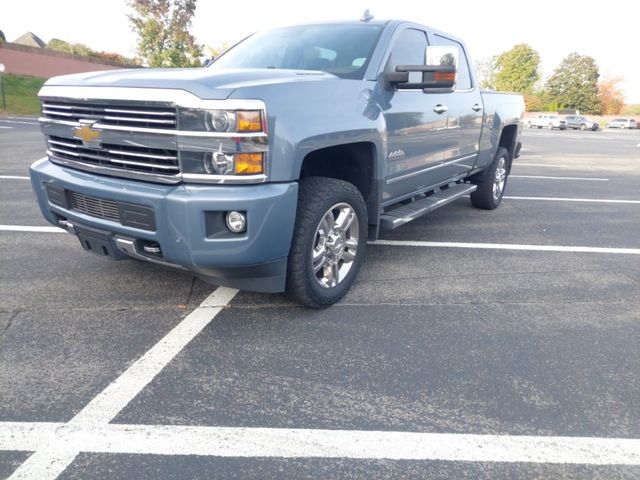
x=547 y=121
x=622 y=123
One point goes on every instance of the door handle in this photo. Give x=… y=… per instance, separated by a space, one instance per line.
x=439 y=109
x=477 y=107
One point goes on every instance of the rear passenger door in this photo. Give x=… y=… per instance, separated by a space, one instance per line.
x=465 y=112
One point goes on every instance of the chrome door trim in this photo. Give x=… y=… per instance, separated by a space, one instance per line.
x=418 y=172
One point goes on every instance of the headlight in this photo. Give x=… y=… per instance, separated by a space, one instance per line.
x=224 y=121
x=219 y=163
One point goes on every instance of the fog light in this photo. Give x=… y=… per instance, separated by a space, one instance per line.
x=236 y=221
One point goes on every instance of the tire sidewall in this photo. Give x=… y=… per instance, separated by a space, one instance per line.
x=319 y=295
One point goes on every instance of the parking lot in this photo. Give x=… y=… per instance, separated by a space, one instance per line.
x=475 y=344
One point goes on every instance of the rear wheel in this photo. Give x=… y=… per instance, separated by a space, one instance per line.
x=492 y=182
x=329 y=241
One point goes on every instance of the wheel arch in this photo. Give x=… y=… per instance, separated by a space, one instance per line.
x=355 y=163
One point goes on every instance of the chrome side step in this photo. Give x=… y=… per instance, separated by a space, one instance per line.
x=401 y=215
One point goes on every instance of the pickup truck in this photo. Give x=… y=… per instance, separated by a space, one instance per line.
x=272 y=168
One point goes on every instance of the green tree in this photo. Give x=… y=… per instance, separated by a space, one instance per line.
x=73 y=48
x=517 y=70
x=486 y=72
x=163 y=32
x=2 y=37
x=574 y=84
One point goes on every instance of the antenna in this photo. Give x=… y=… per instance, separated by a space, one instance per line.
x=366 y=16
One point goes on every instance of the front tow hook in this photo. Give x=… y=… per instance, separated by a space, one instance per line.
x=67 y=225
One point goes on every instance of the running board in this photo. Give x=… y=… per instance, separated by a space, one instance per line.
x=401 y=215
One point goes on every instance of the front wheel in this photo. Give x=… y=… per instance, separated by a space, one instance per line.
x=329 y=241
x=492 y=182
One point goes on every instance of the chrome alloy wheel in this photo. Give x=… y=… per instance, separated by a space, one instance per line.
x=335 y=245
x=500 y=178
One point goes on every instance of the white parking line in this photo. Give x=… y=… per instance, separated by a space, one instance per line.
x=14 y=177
x=22 y=228
x=586 y=200
x=312 y=443
x=508 y=246
x=9 y=128
x=52 y=456
x=518 y=164
x=18 y=122
x=586 y=179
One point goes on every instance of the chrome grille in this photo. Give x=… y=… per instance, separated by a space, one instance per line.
x=95 y=207
x=122 y=157
x=125 y=115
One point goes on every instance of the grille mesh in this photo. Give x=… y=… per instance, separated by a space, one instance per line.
x=95 y=207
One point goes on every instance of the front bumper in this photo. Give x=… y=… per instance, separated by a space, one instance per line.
x=188 y=223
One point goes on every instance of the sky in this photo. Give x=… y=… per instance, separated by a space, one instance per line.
x=489 y=27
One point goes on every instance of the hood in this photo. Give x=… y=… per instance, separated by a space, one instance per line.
x=206 y=83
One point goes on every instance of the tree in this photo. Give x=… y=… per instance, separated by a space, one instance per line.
x=2 y=37
x=633 y=109
x=574 y=84
x=66 y=47
x=218 y=50
x=486 y=71
x=517 y=70
x=163 y=32
x=611 y=96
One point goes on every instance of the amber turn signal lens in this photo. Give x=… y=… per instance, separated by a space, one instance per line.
x=445 y=77
x=249 y=163
x=249 y=121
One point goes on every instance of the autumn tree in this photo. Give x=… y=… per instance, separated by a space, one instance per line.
x=611 y=96
x=574 y=84
x=517 y=70
x=219 y=49
x=486 y=72
x=162 y=27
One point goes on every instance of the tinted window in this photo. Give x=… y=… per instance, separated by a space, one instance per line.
x=409 y=48
x=463 y=77
x=343 y=50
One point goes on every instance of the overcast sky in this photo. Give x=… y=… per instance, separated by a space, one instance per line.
x=606 y=31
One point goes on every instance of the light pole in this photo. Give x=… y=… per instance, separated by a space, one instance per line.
x=4 y=102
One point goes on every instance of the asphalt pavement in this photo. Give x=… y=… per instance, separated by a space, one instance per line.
x=515 y=325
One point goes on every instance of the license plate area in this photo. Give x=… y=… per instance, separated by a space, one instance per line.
x=98 y=242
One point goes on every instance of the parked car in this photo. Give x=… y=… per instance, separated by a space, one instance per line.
x=579 y=122
x=547 y=121
x=622 y=123
x=272 y=168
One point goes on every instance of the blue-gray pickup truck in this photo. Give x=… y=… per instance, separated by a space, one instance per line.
x=271 y=168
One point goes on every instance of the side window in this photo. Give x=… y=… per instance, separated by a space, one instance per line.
x=409 y=48
x=463 y=77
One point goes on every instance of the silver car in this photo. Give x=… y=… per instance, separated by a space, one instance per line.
x=579 y=122
x=622 y=123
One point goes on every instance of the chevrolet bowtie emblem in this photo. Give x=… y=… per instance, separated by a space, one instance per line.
x=88 y=135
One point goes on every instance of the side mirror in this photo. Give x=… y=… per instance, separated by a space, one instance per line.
x=438 y=73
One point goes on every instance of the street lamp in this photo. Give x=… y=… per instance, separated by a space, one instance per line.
x=4 y=102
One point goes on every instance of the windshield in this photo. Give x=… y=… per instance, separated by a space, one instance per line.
x=343 y=50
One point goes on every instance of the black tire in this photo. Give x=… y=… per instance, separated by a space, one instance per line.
x=484 y=196
x=316 y=197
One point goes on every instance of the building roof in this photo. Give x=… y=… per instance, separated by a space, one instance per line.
x=31 y=40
